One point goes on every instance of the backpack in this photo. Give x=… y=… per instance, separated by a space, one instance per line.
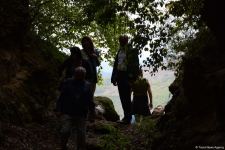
x=74 y=98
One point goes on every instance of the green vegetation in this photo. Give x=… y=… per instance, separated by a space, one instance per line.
x=159 y=27
x=155 y=26
x=184 y=35
x=147 y=132
x=135 y=137
x=104 y=128
x=114 y=140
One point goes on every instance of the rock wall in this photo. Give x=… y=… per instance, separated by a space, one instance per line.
x=195 y=114
x=28 y=81
x=14 y=22
x=28 y=67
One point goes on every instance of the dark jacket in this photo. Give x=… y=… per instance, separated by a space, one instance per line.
x=90 y=64
x=132 y=65
x=69 y=65
x=76 y=98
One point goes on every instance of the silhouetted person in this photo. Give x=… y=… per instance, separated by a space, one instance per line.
x=125 y=71
x=142 y=97
x=73 y=61
x=90 y=61
x=74 y=103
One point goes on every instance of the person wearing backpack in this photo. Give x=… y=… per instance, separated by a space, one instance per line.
x=74 y=103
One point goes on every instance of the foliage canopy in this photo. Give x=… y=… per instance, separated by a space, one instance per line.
x=156 y=26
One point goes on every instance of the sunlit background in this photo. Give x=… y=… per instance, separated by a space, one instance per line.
x=159 y=85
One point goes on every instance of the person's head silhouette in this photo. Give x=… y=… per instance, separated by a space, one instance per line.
x=79 y=73
x=75 y=51
x=123 y=39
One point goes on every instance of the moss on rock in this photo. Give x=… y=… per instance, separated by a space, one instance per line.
x=109 y=111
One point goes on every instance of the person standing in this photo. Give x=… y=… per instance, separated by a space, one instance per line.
x=73 y=106
x=142 y=97
x=73 y=61
x=125 y=71
x=90 y=61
